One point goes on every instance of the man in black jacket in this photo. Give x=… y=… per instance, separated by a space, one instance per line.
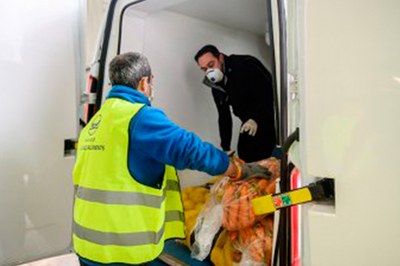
x=241 y=81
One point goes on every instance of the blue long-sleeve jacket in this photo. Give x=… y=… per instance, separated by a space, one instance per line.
x=155 y=141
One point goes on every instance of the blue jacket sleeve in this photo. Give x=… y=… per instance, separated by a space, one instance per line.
x=167 y=143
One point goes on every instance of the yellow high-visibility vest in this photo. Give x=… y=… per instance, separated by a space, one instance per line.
x=116 y=218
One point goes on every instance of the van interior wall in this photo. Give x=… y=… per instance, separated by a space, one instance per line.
x=170 y=40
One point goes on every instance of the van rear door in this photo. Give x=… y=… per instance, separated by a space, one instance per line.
x=40 y=69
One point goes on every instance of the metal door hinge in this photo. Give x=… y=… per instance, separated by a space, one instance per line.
x=89 y=98
x=293 y=85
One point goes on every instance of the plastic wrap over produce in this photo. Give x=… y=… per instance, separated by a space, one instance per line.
x=194 y=199
x=227 y=229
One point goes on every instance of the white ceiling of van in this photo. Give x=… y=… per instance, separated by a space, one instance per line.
x=247 y=15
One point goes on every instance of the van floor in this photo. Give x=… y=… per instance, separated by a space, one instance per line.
x=63 y=260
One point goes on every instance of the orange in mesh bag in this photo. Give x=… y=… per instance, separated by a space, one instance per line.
x=255 y=243
x=230 y=206
x=236 y=199
x=250 y=236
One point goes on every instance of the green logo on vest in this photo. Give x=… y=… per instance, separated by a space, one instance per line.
x=94 y=125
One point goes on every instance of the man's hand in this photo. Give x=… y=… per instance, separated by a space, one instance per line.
x=250 y=126
x=250 y=170
x=239 y=170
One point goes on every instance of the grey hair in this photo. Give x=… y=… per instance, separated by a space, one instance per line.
x=128 y=69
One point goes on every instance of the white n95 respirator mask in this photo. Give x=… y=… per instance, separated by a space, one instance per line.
x=151 y=97
x=214 y=75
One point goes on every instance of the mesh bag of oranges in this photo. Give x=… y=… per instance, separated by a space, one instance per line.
x=220 y=222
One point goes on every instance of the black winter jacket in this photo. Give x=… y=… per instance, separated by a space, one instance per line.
x=247 y=87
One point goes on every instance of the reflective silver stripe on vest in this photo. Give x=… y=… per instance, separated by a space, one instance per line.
x=118 y=239
x=173 y=185
x=173 y=216
x=125 y=239
x=124 y=197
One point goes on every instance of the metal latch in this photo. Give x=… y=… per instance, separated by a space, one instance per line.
x=70 y=147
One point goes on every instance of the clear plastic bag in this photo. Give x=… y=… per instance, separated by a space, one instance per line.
x=208 y=223
x=194 y=199
x=230 y=207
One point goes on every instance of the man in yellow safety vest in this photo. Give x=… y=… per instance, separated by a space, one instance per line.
x=128 y=198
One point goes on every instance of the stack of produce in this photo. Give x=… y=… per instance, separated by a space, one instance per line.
x=193 y=199
x=254 y=242
x=244 y=238
x=236 y=199
x=223 y=252
x=250 y=236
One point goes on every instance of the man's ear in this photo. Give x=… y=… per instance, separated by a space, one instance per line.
x=141 y=86
x=221 y=58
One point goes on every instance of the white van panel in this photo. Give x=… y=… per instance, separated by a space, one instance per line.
x=38 y=67
x=350 y=112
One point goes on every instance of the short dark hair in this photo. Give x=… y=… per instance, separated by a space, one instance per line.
x=209 y=48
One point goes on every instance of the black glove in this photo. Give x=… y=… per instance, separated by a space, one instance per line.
x=249 y=170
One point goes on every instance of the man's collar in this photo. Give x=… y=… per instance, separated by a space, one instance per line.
x=208 y=83
x=128 y=94
x=226 y=66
